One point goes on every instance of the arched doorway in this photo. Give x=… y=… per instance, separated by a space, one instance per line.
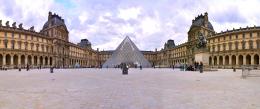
x=240 y=60
x=210 y=61
x=29 y=60
x=226 y=60
x=248 y=60
x=50 y=60
x=220 y=60
x=234 y=61
x=35 y=60
x=215 y=60
x=41 y=60
x=256 y=59
x=8 y=59
x=46 y=61
x=1 y=60
x=23 y=60
x=15 y=61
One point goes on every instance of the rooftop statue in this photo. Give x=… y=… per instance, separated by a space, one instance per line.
x=20 y=26
x=14 y=25
x=32 y=28
x=7 y=23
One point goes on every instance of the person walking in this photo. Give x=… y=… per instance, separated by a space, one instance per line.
x=201 y=67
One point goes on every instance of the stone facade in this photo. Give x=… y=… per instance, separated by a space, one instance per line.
x=51 y=47
x=232 y=48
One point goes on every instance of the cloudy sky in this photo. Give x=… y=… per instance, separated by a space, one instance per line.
x=149 y=23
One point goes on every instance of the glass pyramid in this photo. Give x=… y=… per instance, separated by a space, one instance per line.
x=128 y=53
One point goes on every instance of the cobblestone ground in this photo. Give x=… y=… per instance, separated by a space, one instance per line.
x=141 y=89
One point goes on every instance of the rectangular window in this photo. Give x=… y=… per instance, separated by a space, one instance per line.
x=42 y=48
x=244 y=36
x=230 y=46
x=224 y=38
x=243 y=45
x=32 y=46
x=250 y=44
x=236 y=44
x=258 y=44
x=19 y=44
x=258 y=34
x=218 y=47
x=25 y=45
x=236 y=36
x=251 y=35
x=6 y=43
x=5 y=34
x=230 y=37
x=224 y=47
x=25 y=37
x=12 y=35
x=19 y=36
x=13 y=44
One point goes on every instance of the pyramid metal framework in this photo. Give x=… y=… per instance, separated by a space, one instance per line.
x=126 y=52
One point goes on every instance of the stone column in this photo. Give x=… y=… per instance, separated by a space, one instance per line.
x=224 y=61
x=212 y=61
x=237 y=60
x=43 y=62
x=230 y=60
x=244 y=60
x=4 y=59
x=19 y=60
x=12 y=60
x=38 y=60
x=217 y=60
x=48 y=62
x=252 y=60
x=26 y=60
x=32 y=60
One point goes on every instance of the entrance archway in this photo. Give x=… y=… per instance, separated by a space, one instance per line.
x=226 y=60
x=50 y=60
x=240 y=60
x=248 y=60
x=215 y=60
x=35 y=60
x=15 y=60
x=234 y=61
x=210 y=61
x=46 y=61
x=8 y=59
x=256 y=59
x=41 y=60
x=29 y=60
x=22 y=60
x=1 y=60
x=220 y=60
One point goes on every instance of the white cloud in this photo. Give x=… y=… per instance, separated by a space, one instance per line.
x=129 y=13
x=152 y=23
x=83 y=17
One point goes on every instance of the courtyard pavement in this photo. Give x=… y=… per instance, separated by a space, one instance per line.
x=141 y=89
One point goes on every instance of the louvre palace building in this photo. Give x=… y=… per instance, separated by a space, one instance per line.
x=51 y=47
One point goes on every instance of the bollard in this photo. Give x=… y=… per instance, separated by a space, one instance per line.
x=51 y=69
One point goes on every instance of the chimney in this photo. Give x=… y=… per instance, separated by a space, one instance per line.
x=50 y=14
x=206 y=20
